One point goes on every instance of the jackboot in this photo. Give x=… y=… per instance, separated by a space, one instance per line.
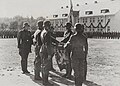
x=37 y=75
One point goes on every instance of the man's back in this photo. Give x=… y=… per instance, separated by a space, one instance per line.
x=78 y=44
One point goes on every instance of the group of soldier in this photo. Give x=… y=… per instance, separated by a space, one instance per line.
x=44 y=40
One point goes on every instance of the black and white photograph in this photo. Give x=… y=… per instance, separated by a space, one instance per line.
x=59 y=42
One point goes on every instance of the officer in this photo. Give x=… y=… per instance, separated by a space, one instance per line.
x=24 y=45
x=38 y=44
x=79 y=50
x=67 y=36
x=47 y=51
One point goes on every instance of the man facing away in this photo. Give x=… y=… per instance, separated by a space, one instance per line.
x=24 y=44
x=79 y=49
x=38 y=44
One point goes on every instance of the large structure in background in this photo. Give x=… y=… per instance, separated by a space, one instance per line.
x=100 y=16
x=96 y=17
x=63 y=15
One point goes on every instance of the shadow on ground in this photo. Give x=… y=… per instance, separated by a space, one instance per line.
x=90 y=83
x=56 y=78
x=71 y=80
x=40 y=82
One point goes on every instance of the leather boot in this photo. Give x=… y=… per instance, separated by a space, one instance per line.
x=37 y=75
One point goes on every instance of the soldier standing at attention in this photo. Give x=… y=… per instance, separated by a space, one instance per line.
x=79 y=51
x=67 y=36
x=38 y=44
x=47 y=51
x=24 y=44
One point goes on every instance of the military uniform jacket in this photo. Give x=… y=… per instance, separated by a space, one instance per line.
x=48 y=40
x=37 y=37
x=79 y=46
x=24 y=41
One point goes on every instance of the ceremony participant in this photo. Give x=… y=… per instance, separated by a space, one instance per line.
x=47 y=51
x=79 y=51
x=67 y=36
x=24 y=45
x=38 y=43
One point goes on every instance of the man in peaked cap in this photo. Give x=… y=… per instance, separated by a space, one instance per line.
x=24 y=44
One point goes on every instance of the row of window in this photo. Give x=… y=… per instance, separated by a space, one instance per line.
x=102 y=11
x=86 y=12
x=92 y=20
x=85 y=20
x=63 y=15
x=93 y=30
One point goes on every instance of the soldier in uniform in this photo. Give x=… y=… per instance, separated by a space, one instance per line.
x=47 y=51
x=67 y=36
x=38 y=44
x=79 y=50
x=24 y=44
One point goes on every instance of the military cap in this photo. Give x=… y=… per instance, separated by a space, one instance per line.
x=79 y=26
x=26 y=24
x=68 y=24
x=47 y=23
x=40 y=23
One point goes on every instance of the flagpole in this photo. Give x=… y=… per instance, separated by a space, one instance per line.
x=71 y=12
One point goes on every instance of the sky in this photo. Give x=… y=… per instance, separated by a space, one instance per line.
x=35 y=8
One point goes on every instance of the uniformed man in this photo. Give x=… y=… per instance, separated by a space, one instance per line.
x=47 y=51
x=79 y=50
x=67 y=36
x=53 y=34
x=24 y=45
x=38 y=43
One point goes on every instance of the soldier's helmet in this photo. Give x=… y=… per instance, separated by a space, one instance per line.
x=40 y=23
x=46 y=23
x=68 y=24
x=26 y=24
x=79 y=27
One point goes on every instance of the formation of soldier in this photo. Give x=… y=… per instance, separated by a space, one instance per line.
x=75 y=47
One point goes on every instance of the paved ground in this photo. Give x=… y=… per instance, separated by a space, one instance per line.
x=103 y=65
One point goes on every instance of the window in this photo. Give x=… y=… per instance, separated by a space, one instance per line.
x=101 y=20
x=86 y=20
x=85 y=29
x=93 y=19
x=54 y=16
x=105 y=11
x=90 y=19
x=64 y=15
x=98 y=19
x=90 y=29
x=83 y=20
x=108 y=30
x=88 y=12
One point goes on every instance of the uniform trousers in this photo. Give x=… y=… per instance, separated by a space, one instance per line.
x=24 y=57
x=37 y=61
x=79 y=66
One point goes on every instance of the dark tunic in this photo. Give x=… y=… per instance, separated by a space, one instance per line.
x=79 y=49
x=24 y=41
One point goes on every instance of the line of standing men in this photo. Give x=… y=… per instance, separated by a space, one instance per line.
x=76 y=51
